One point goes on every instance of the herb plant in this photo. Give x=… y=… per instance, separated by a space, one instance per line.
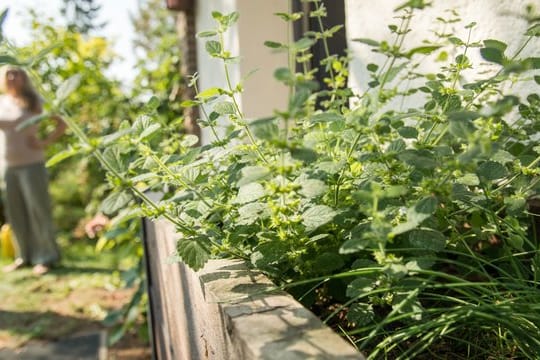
x=414 y=223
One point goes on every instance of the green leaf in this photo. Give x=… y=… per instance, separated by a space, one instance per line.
x=311 y=188
x=408 y=132
x=251 y=174
x=361 y=314
x=268 y=254
x=495 y=44
x=58 y=157
x=225 y=108
x=249 y=193
x=113 y=157
x=427 y=239
x=265 y=128
x=208 y=93
x=416 y=215
x=328 y=262
x=469 y=180
x=426 y=50
x=7 y=59
x=533 y=30
x=461 y=125
x=213 y=48
x=304 y=154
x=422 y=159
x=189 y=140
x=394 y=71
x=284 y=75
x=152 y=104
x=274 y=45
x=303 y=44
x=492 y=55
x=317 y=216
x=209 y=33
x=192 y=252
x=252 y=212
x=491 y=170
x=366 y=41
x=326 y=117
x=32 y=121
x=114 y=202
x=149 y=131
x=359 y=286
x=67 y=88
x=109 y=139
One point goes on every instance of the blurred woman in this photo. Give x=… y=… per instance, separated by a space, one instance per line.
x=26 y=199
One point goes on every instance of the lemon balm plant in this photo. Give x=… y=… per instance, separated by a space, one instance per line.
x=409 y=230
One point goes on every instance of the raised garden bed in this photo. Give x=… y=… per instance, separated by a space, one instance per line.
x=224 y=311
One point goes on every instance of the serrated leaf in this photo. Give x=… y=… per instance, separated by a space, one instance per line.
x=213 y=48
x=359 y=286
x=225 y=108
x=408 y=132
x=361 y=314
x=149 y=131
x=252 y=212
x=109 y=139
x=189 y=140
x=114 y=202
x=253 y=173
x=67 y=87
x=269 y=254
x=317 y=216
x=114 y=159
x=249 y=193
x=461 y=125
x=192 y=252
x=427 y=239
x=328 y=262
x=491 y=170
x=469 y=179
x=422 y=159
x=311 y=188
x=265 y=128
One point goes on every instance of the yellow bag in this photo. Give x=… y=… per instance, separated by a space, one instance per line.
x=6 y=242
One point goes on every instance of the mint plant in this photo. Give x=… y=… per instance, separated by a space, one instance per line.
x=413 y=224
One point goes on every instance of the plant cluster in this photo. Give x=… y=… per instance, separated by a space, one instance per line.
x=415 y=222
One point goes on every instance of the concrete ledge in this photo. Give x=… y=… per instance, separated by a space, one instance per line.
x=225 y=311
x=262 y=325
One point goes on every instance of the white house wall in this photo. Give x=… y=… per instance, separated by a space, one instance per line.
x=257 y=23
x=496 y=19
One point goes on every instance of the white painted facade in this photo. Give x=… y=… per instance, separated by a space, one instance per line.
x=257 y=23
x=496 y=19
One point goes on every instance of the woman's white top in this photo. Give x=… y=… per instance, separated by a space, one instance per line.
x=17 y=150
